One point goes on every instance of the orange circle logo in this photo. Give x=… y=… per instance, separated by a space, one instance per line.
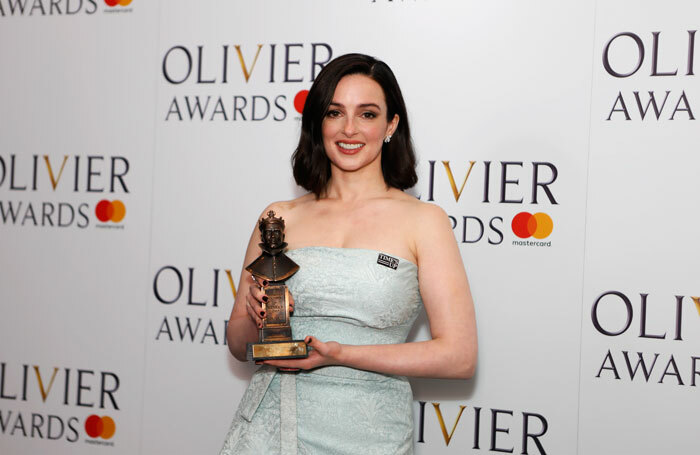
x=100 y=427
x=526 y=225
x=113 y=3
x=110 y=211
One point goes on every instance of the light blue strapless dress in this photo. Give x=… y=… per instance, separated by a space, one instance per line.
x=343 y=295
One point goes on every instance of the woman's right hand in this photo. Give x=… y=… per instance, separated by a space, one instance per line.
x=255 y=296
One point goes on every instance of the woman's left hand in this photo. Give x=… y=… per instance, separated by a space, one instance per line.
x=322 y=354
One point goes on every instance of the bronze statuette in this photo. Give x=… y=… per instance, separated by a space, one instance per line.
x=275 y=336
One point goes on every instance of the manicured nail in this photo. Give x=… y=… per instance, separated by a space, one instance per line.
x=265 y=299
x=262 y=314
x=260 y=325
x=265 y=283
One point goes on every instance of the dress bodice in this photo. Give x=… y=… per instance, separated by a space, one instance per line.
x=353 y=295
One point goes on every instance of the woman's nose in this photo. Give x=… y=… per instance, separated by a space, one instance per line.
x=349 y=127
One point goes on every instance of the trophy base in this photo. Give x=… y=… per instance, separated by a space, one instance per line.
x=277 y=350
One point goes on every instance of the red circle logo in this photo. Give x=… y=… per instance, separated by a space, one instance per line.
x=100 y=427
x=110 y=210
x=300 y=100
x=527 y=225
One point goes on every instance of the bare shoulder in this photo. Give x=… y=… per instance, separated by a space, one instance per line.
x=424 y=216
x=432 y=233
x=432 y=223
x=431 y=213
x=290 y=208
x=423 y=224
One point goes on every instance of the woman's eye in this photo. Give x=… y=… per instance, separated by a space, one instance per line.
x=369 y=115
x=332 y=113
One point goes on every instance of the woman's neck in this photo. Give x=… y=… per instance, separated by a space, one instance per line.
x=365 y=183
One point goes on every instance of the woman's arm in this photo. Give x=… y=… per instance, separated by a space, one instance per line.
x=452 y=351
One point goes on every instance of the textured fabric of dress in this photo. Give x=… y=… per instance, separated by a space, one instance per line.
x=343 y=295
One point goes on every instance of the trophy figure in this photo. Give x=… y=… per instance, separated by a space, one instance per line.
x=275 y=335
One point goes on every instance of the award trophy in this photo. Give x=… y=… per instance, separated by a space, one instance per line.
x=275 y=336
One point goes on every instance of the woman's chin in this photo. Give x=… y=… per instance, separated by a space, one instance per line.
x=346 y=165
x=352 y=163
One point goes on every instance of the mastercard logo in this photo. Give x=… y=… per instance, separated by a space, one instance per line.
x=100 y=427
x=110 y=210
x=527 y=225
x=300 y=100
x=112 y=3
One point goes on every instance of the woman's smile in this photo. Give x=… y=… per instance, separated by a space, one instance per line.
x=349 y=147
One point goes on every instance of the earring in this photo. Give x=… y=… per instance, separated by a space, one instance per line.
x=387 y=139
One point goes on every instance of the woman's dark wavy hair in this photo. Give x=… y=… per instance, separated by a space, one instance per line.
x=311 y=166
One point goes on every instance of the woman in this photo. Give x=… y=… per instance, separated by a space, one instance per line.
x=368 y=255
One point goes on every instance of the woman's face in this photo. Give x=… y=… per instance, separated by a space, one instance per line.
x=355 y=125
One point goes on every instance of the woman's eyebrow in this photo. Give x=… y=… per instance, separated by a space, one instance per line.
x=334 y=103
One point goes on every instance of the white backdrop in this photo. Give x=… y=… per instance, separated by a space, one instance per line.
x=176 y=111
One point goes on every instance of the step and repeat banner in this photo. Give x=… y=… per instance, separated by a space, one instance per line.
x=140 y=140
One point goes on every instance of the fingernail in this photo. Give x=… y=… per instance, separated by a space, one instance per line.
x=265 y=299
x=265 y=283
x=260 y=325
x=262 y=314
